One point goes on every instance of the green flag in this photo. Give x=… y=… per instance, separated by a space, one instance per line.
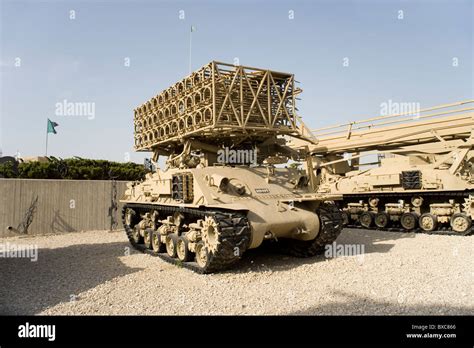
x=51 y=126
x=193 y=28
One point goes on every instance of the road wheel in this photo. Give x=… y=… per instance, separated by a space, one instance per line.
x=147 y=238
x=171 y=241
x=366 y=219
x=460 y=222
x=382 y=219
x=345 y=218
x=156 y=243
x=202 y=255
x=408 y=221
x=182 y=249
x=137 y=238
x=428 y=222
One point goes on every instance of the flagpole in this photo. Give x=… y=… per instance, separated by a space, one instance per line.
x=49 y=129
x=47 y=133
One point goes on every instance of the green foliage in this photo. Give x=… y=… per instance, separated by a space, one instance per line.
x=7 y=170
x=75 y=169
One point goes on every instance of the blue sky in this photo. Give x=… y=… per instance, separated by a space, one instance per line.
x=82 y=60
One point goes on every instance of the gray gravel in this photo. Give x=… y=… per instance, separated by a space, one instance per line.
x=93 y=273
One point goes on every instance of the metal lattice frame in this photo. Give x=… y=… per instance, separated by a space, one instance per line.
x=218 y=102
x=432 y=125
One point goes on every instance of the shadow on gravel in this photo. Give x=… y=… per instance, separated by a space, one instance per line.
x=373 y=241
x=268 y=257
x=350 y=304
x=58 y=275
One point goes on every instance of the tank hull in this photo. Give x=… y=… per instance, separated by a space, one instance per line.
x=402 y=194
x=265 y=204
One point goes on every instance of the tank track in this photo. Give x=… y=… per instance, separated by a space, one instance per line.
x=331 y=226
x=235 y=233
x=445 y=231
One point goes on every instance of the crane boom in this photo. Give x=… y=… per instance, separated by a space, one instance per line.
x=441 y=124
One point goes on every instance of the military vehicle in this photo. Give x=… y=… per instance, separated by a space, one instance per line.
x=225 y=188
x=420 y=174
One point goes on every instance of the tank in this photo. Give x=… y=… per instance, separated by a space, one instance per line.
x=226 y=186
x=409 y=193
x=418 y=173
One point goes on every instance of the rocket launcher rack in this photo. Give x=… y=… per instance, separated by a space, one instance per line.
x=220 y=104
x=439 y=124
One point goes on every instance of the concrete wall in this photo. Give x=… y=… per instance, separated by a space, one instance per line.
x=61 y=205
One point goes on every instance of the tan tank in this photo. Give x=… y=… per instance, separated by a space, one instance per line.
x=421 y=176
x=225 y=188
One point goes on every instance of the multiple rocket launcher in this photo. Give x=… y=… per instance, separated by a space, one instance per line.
x=218 y=104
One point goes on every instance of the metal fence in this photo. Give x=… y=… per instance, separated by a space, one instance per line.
x=30 y=206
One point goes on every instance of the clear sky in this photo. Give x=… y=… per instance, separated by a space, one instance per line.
x=50 y=54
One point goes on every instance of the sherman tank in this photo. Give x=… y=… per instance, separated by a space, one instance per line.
x=226 y=185
x=417 y=174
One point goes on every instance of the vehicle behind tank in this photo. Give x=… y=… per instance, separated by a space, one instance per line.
x=419 y=176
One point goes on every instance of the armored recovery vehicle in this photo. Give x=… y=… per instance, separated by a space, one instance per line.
x=224 y=189
x=420 y=174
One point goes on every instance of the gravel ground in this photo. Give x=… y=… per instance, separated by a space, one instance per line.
x=92 y=273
